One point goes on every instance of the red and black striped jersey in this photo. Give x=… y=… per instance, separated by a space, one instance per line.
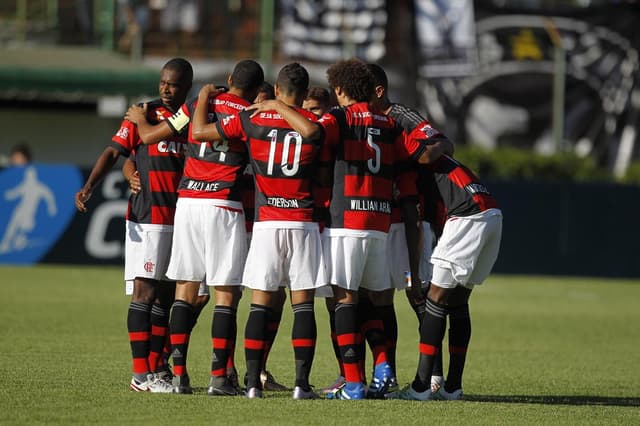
x=419 y=128
x=160 y=166
x=283 y=164
x=214 y=169
x=461 y=191
x=365 y=145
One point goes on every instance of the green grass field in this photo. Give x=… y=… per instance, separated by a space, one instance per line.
x=544 y=350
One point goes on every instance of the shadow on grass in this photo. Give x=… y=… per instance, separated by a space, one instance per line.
x=557 y=400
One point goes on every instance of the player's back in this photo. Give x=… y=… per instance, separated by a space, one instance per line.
x=283 y=164
x=462 y=192
x=364 y=144
x=212 y=169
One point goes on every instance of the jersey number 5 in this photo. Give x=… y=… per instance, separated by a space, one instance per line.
x=373 y=163
x=287 y=169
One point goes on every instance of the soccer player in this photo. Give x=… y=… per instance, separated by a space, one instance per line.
x=362 y=145
x=408 y=251
x=462 y=259
x=210 y=240
x=149 y=223
x=286 y=249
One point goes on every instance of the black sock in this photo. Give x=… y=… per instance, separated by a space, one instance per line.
x=459 y=337
x=180 y=326
x=303 y=338
x=432 y=332
x=139 y=327
x=254 y=343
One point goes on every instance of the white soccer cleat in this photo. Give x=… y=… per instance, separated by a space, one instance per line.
x=139 y=386
x=159 y=385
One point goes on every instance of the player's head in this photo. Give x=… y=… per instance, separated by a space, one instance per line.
x=293 y=82
x=351 y=79
x=265 y=92
x=381 y=84
x=318 y=101
x=246 y=78
x=20 y=155
x=176 y=79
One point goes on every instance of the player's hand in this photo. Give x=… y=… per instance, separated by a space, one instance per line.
x=416 y=294
x=268 y=105
x=136 y=113
x=134 y=182
x=81 y=198
x=210 y=91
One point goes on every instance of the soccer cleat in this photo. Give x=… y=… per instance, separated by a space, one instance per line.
x=410 y=394
x=221 y=386
x=436 y=383
x=182 y=385
x=232 y=375
x=159 y=385
x=165 y=375
x=140 y=386
x=269 y=382
x=443 y=395
x=253 y=393
x=382 y=377
x=348 y=391
x=300 y=393
x=393 y=385
x=337 y=383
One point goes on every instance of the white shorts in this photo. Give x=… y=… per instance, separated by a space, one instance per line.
x=467 y=249
x=282 y=256
x=209 y=242
x=398 y=255
x=147 y=249
x=356 y=261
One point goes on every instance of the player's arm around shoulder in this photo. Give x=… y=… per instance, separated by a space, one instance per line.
x=148 y=133
x=201 y=130
x=298 y=122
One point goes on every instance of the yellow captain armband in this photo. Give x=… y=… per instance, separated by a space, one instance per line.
x=179 y=121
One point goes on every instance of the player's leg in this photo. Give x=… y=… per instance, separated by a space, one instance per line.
x=273 y=323
x=165 y=293
x=346 y=259
x=139 y=328
x=380 y=335
x=330 y=303
x=459 y=337
x=256 y=338
x=223 y=336
x=180 y=327
x=303 y=338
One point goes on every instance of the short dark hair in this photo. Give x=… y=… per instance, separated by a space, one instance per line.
x=293 y=79
x=267 y=88
x=22 y=148
x=353 y=77
x=247 y=75
x=379 y=76
x=183 y=67
x=319 y=94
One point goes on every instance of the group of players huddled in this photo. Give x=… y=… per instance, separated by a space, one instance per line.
x=273 y=187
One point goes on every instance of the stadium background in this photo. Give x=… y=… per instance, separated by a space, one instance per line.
x=540 y=75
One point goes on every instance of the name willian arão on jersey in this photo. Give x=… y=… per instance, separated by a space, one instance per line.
x=371 y=206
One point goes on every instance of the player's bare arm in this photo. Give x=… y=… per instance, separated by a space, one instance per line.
x=149 y=133
x=297 y=121
x=131 y=175
x=103 y=164
x=201 y=130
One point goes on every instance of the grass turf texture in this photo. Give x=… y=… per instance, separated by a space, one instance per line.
x=544 y=350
